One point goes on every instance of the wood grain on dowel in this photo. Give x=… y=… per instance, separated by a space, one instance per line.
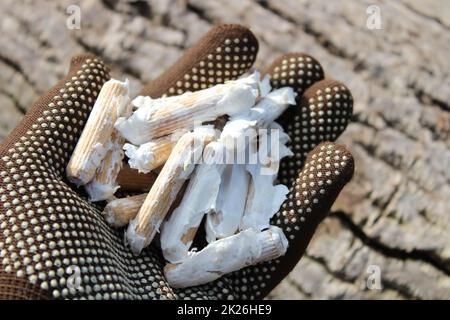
x=156 y=118
x=120 y=211
x=150 y=155
x=95 y=139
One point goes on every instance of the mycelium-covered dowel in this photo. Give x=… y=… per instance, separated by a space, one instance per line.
x=150 y=155
x=264 y=198
x=179 y=231
x=104 y=184
x=226 y=255
x=119 y=212
x=225 y=219
x=186 y=153
x=269 y=108
x=96 y=138
x=159 y=117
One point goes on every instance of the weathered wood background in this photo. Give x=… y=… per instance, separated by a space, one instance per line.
x=395 y=212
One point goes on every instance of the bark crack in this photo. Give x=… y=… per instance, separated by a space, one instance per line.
x=199 y=12
x=15 y=102
x=16 y=67
x=390 y=285
x=425 y=16
x=415 y=254
x=427 y=99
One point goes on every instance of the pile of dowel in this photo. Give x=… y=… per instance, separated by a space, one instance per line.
x=221 y=143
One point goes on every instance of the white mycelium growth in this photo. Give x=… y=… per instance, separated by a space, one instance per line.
x=229 y=254
x=220 y=191
x=159 y=117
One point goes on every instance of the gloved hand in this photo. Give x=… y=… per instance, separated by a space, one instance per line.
x=55 y=244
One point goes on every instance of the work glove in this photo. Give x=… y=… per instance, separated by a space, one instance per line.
x=54 y=243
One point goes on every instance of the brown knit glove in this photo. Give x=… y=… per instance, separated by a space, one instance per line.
x=55 y=244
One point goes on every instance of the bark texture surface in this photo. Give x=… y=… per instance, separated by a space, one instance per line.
x=394 y=215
